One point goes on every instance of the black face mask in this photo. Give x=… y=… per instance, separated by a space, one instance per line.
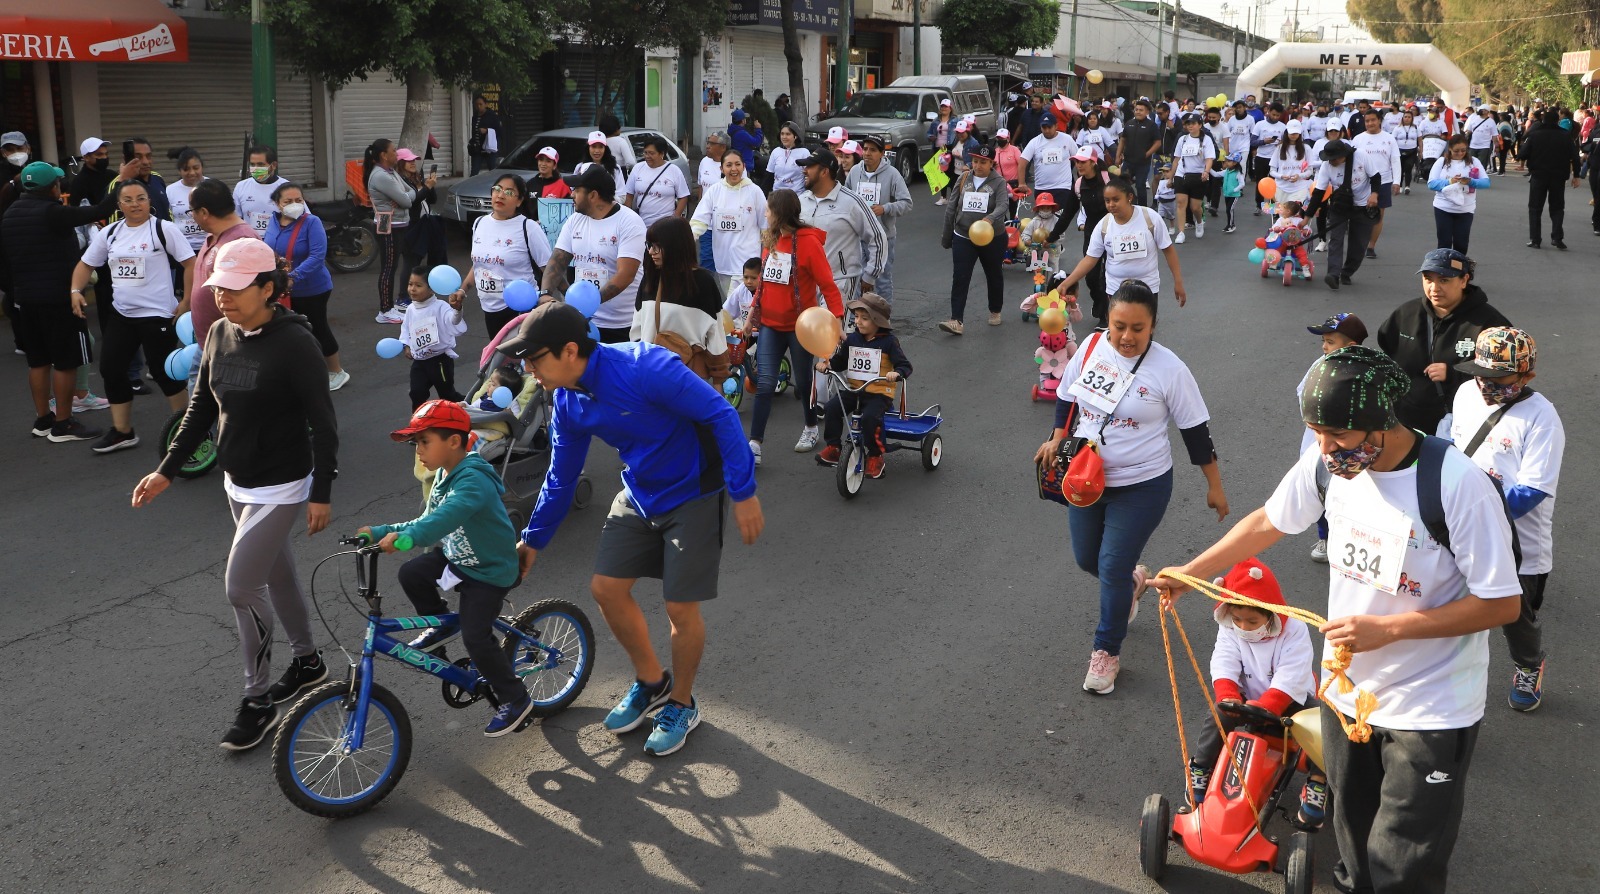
x=100 y=164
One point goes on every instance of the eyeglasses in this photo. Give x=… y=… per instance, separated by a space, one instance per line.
x=502 y=190
x=652 y=247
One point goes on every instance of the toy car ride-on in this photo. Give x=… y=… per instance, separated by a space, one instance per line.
x=1227 y=830
x=901 y=431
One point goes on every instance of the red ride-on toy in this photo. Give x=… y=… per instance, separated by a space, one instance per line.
x=1227 y=830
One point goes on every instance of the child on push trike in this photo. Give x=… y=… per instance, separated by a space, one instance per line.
x=870 y=352
x=477 y=555
x=1265 y=660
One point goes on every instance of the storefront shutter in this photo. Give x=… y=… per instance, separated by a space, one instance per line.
x=376 y=107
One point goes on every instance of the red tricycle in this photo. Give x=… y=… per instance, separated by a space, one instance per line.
x=1227 y=830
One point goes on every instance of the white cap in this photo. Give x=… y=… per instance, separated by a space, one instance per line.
x=550 y=153
x=943 y=103
x=851 y=147
x=596 y=137
x=837 y=135
x=91 y=146
x=1002 y=134
x=963 y=126
x=1295 y=127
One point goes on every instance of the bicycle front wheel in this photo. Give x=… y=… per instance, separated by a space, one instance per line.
x=554 y=656
x=312 y=759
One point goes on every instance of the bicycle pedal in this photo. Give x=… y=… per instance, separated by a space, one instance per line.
x=526 y=722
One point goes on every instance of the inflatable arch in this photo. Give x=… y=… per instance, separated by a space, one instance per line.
x=1454 y=87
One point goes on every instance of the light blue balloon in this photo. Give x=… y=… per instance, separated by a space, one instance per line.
x=444 y=280
x=521 y=295
x=502 y=397
x=594 y=330
x=730 y=386
x=585 y=296
x=185 y=329
x=389 y=348
x=193 y=353
x=1257 y=255
x=177 y=365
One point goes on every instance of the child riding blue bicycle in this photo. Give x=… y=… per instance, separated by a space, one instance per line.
x=871 y=352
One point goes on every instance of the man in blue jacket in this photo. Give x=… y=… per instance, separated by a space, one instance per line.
x=685 y=456
x=745 y=142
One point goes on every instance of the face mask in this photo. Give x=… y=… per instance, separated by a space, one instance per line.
x=18 y=158
x=1495 y=393
x=293 y=210
x=260 y=174
x=1352 y=462
x=1256 y=635
x=100 y=164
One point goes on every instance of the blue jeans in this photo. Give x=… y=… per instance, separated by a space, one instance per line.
x=770 y=346
x=885 y=284
x=707 y=260
x=1139 y=173
x=1452 y=228
x=1106 y=541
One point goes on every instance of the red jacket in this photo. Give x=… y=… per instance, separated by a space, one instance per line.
x=781 y=304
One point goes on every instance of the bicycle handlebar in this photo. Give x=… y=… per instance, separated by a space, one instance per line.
x=403 y=543
x=843 y=383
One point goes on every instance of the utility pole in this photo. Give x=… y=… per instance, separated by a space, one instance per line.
x=1072 y=49
x=263 y=79
x=916 y=36
x=841 y=71
x=1172 y=79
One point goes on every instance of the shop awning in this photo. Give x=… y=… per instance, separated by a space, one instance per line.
x=1132 y=71
x=95 y=31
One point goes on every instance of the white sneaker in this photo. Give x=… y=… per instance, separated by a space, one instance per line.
x=1141 y=574
x=1180 y=238
x=338 y=380
x=86 y=404
x=1200 y=229
x=1102 y=676
x=393 y=315
x=1322 y=245
x=1319 y=553
x=808 y=440
x=755 y=451
x=941 y=201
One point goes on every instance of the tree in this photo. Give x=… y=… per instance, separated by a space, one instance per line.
x=418 y=42
x=1191 y=64
x=981 y=26
x=620 y=30
x=800 y=111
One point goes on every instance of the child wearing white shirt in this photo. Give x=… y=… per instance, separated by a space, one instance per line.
x=741 y=296
x=429 y=332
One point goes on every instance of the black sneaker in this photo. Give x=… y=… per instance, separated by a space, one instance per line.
x=303 y=673
x=1562 y=246
x=1344 y=279
x=140 y=387
x=1331 y=281
x=115 y=440
x=433 y=639
x=72 y=430
x=1531 y=244
x=256 y=718
x=42 y=425
x=1372 y=254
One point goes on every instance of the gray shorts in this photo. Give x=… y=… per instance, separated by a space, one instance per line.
x=683 y=548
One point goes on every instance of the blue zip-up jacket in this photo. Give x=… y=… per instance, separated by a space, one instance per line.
x=310 y=275
x=678 y=437
x=745 y=143
x=466 y=517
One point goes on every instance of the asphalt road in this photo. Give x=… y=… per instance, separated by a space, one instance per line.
x=891 y=691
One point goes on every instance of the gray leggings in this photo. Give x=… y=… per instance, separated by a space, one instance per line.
x=262 y=583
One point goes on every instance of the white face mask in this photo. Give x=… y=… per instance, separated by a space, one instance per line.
x=1256 y=635
x=293 y=210
x=18 y=158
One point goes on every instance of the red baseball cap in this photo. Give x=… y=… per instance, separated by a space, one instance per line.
x=436 y=413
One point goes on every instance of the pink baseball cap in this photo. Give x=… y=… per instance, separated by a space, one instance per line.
x=837 y=135
x=1002 y=134
x=1086 y=153
x=944 y=103
x=550 y=153
x=596 y=137
x=240 y=261
x=406 y=155
x=962 y=126
x=851 y=147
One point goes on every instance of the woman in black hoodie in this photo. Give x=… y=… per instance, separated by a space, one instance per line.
x=262 y=382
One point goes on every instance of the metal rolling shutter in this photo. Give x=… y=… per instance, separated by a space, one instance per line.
x=204 y=103
x=755 y=60
x=374 y=108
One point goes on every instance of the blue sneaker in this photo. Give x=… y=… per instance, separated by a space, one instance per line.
x=508 y=717
x=1527 y=687
x=636 y=706
x=1199 y=782
x=1313 y=805
x=673 y=725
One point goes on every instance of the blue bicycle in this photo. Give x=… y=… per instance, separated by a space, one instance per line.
x=344 y=745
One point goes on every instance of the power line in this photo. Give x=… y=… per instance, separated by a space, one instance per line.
x=1553 y=15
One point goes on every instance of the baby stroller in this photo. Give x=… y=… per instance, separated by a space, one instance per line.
x=515 y=439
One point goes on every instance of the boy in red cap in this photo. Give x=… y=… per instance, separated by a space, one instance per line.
x=1264 y=659
x=477 y=554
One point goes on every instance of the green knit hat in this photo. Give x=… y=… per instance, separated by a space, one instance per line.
x=1354 y=389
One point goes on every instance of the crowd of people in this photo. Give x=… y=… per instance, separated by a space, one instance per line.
x=1398 y=437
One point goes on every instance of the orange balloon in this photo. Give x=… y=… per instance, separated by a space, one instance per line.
x=981 y=232
x=1268 y=187
x=819 y=331
x=1053 y=321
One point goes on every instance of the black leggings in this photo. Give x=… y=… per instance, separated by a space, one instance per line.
x=1408 y=166
x=388 y=260
x=437 y=373
x=480 y=604
x=121 y=338
x=609 y=336
x=315 y=309
x=496 y=320
x=965 y=255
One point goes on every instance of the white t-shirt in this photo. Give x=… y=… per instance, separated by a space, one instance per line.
x=785 y=166
x=1285 y=662
x=501 y=253
x=1239 y=133
x=735 y=217
x=738 y=303
x=1051 y=160
x=1362 y=167
x=1433 y=137
x=1293 y=176
x=1191 y=153
x=254 y=202
x=709 y=173
x=656 y=191
x=1381 y=146
x=1313 y=128
x=616 y=176
x=596 y=246
x=1525 y=447
x=288 y=493
x=1405 y=136
x=1480 y=131
x=1421 y=684
x=1391 y=120
x=1457 y=198
x=622 y=151
x=1132 y=250
x=1266 y=130
x=141 y=278
x=1098 y=138
x=430 y=328
x=183 y=215
x=1136 y=447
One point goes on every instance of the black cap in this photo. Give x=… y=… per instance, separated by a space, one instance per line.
x=550 y=326
x=984 y=151
x=870 y=138
x=1348 y=325
x=597 y=179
